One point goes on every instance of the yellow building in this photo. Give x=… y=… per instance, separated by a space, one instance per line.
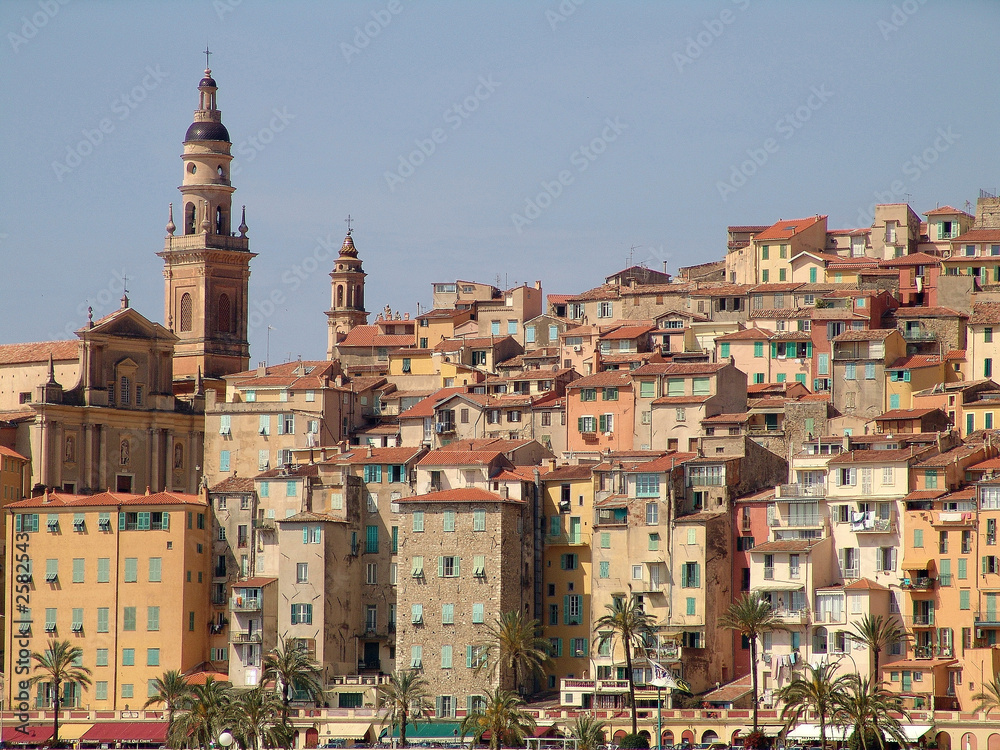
x=124 y=577
x=568 y=509
x=13 y=477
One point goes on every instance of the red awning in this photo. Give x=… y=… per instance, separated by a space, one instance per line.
x=126 y=731
x=36 y=735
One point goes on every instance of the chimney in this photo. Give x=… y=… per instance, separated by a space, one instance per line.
x=339 y=381
x=369 y=452
x=261 y=369
x=538 y=284
x=504 y=491
x=552 y=464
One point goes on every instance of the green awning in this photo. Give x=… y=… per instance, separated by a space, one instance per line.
x=437 y=730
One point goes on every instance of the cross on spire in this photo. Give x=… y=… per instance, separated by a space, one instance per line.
x=207 y=53
x=348 y=220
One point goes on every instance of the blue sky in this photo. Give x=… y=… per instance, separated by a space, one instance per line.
x=470 y=140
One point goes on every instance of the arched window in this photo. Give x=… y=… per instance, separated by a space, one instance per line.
x=340 y=296
x=225 y=314
x=359 y=298
x=189 y=216
x=126 y=391
x=350 y=296
x=819 y=640
x=186 y=310
x=220 y=221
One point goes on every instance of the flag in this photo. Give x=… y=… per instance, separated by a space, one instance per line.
x=662 y=677
x=683 y=686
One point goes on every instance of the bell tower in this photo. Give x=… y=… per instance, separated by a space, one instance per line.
x=206 y=264
x=347 y=305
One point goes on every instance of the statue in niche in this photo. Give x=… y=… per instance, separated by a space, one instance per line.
x=125 y=452
x=178 y=456
x=70 y=456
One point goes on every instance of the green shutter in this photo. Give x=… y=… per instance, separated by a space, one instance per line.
x=468 y=656
x=121 y=522
x=440 y=567
x=579 y=424
x=809 y=349
x=566 y=610
x=774 y=349
x=458 y=566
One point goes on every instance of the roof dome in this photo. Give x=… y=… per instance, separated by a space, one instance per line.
x=207 y=131
x=348 y=249
x=207 y=81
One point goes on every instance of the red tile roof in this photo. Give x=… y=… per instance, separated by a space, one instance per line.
x=234 y=484
x=976 y=235
x=11 y=453
x=735 y=418
x=747 y=334
x=787 y=286
x=787 y=545
x=359 y=456
x=913 y=259
x=39 y=351
x=627 y=332
x=915 y=362
x=928 y=312
x=668 y=400
x=985 y=313
x=460 y=458
x=945 y=211
x=783 y=230
x=904 y=414
x=955 y=354
x=372 y=336
x=874 y=456
x=680 y=368
x=62 y=500
x=472 y=342
x=458 y=495
x=873 y=334
x=576 y=471
x=924 y=495
x=747 y=227
x=864 y=584
x=425 y=407
x=607 y=379
x=605 y=291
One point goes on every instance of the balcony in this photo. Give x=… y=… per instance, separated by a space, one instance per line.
x=801 y=490
x=793 y=617
x=920 y=620
x=877 y=526
x=924 y=652
x=371 y=665
x=809 y=520
x=264 y=524
x=987 y=618
x=665 y=652
x=564 y=539
x=919 y=334
x=244 y=637
x=612 y=517
x=245 y=604
x=923 y=583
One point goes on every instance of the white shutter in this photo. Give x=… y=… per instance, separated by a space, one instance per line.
x=892 y=559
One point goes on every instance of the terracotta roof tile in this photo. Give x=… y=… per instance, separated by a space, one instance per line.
x=458 y=495
x=575 y=471
x=985 y=313
x=472 y=342
x=295 y=471
x=915 y=362
x=747 y=334
x=786 y=286
x=787 y=545
x=864 y=584
x=234 y=484
x=359 y=456
x=17 y=354
x=871 y=334
x=63 y=500
x=425 y=407
x=955 y=354
x=874 y=456
x=460 y=458
x=945 y=211
x=747 y=227
x=913 y=259
x=679 y=368
x=928 y=312
x=904 y=414
x=606 y=379
x=668 y=400
x=923 y=495
x=605 y=291
x=626 y=332
x=782 y=230
x=779 y=313
x=11 y=453
x=372 y=336
x=976 y=235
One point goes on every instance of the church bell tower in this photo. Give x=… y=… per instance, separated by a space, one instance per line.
x=206 y=264
x=347 y=304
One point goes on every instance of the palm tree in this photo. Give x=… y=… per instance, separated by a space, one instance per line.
x=171 y=690
x=514 y=647
x=819 y=691
x=877 y=634
x=989 y=697
x=403 y=696
x=868 y=709
x=58 y=665
x=501 y=716
x=626 y=622
x=255 y=716
x=588 y=732
x=202 y=715
x=291 y=667
x=751 y=616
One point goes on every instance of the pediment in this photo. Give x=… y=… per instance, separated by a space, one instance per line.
x=126 y=323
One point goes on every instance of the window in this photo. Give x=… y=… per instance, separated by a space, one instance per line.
x=647 y=389
x=691 y=575
x=573 y=609
x=155 y=569
x=647 y=485
x=152 y=618
x=131 y=569
x=417 y=570
x=449 y=520
x=447 y=614
x=371 y=573
x=605 y=310
x=609 y=394
x=102 y=619
x=371 y=540
x=446 y=657
x=652 y=514
x=569 y=561
x=479 y=520
x=478 y=614
x=416 y=657
x=850 y=371
x=511 y=327
x=605 y=569
x=449 y=566
x=223 y=460
x=654 y=542
x=128 y=657
x=152 y=657
x=302 y=614
x=418 y=520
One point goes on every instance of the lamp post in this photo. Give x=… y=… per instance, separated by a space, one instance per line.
x=226 y=739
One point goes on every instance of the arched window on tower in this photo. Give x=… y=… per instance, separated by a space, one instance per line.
x=220 y=221
x=359 y=298
x=186 y=310
x=340 y=296
x=189 y=216
x=350 y=296
x=225 y=314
